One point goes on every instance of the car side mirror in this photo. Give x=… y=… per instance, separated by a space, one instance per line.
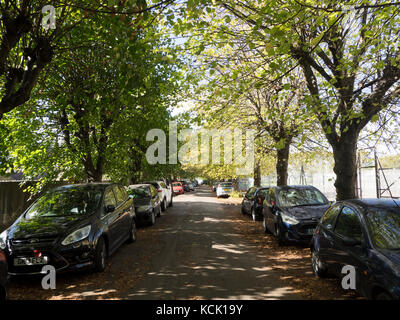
x=110 y=208
x=348 y=242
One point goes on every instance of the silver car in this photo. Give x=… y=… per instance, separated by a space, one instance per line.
x=224 y=189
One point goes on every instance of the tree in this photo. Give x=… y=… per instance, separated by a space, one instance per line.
x=350 y=60
x=96 y=103
x=28 y=45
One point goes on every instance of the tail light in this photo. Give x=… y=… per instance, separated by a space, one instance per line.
x=37 y=253
x=259 y=200
x=159 y=190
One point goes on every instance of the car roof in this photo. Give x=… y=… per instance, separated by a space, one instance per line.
x=386 y=203
x=133 y=186
x=100 y=185
x=295 y=186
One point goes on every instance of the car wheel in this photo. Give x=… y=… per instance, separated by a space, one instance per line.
x=280 y=235
x=317 y=266
x=152 y=218
x=170 y=204
x=132 y=232
x=163 y=206
x=253 y=214
x=243 y=211
x=100 y=255
x=266 y=230
x=383 y=295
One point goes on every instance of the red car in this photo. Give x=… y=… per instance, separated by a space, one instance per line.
x=177 y=187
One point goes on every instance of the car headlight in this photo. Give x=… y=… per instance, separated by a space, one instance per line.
x=77 y=235
x=288 y=219
x=3 y=240
x=143 y=208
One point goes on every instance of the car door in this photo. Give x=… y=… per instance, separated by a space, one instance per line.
x=110 y=219
x=248 y=198
x=122 y=212
x=348 y=227
x=155 y=199
x=326 y=239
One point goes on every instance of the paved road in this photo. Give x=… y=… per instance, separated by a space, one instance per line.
x=202 y=257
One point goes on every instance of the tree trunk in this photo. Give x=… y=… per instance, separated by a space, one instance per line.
x=257 y=174
x=282 y=163
x=345 y=156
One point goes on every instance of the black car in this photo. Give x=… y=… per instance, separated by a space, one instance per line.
x=364 y=234
x=147 y=203
x=185 y=186
x=3 y=276
x=70 y=227
x=291 y=213
x=252 y=203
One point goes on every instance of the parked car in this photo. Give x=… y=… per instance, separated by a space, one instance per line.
x=164 y=192
x=177 y=188
x=70 y=227
x=191 y=186
x=3 y=276
x=291 y=213
x=214 y=186
x=185 y=186
x=195 y=183
x=147 y=203
x=224 y=189
x=253 y=201
x=364 y=234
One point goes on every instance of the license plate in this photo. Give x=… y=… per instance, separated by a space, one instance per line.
x=31 y=261
x=227 y=189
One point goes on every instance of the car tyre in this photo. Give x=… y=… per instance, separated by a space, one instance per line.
x=317 y=266
x=170 y=203
x=253 y=214
x=152 y=218
x=266 y=230
x=163 y=206
x=243 y=211
x=132 y=232
x=100 y=255
x=280 y=236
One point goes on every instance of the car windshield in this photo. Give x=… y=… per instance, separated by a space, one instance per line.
x=226 y=185
x=293 y=197
x=176 y=184
x=66 y=202
x=384 y=226
x=140 y=193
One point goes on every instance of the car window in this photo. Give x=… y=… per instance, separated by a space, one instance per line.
x=328 y=219
x=66 y=202
x=292 y=197
x=141 y=192
x=123 y=192
x=162 y=184
x=153 y=191
x=109 y=198
x=250 y=192
x=262 y=193
x=348 y=224
x=271 y=196
x=119 y=195
x=384 y=226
